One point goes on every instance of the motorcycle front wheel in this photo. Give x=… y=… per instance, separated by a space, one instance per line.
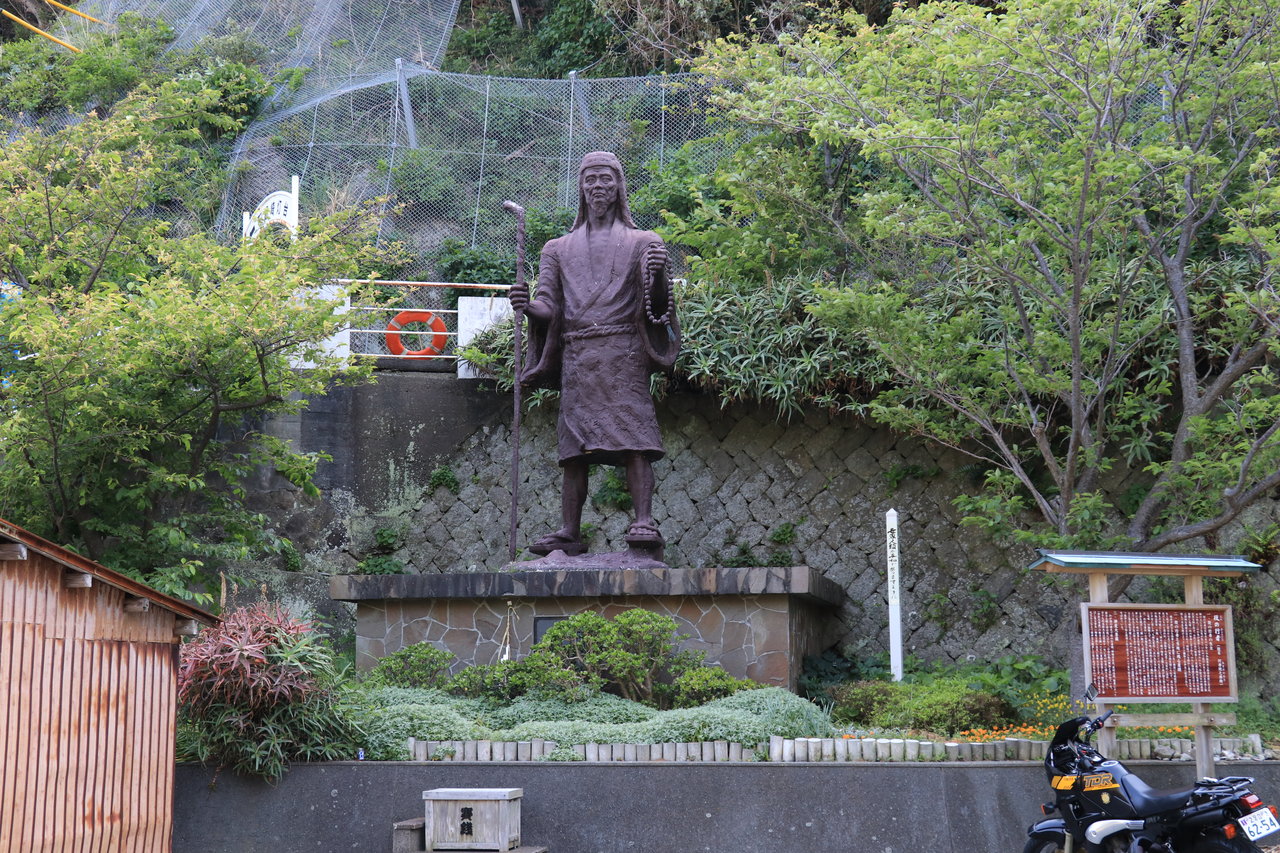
x=1047 y=842
x=1216 y=842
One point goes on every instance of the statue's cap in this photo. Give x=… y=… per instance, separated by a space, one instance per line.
x=600 y=158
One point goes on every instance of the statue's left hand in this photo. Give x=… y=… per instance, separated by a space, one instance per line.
x=655 y=258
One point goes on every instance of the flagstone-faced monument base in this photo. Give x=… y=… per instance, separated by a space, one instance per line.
x=756 y=623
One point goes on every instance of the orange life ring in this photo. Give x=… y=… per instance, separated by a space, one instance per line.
x=404 y=318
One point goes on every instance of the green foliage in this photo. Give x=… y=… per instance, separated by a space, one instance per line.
x=901 y=471
x=459 y=262
x=116 y=64
x=154 y=354
x=562 y=753
x=784 y=534
x=1074 y=246
x=634 y=656
x=500 y=682
x=831 y=668
x=1261 y=545
x=444 y=478
x=984 y=611
x=428 y=178
x=747 y=717
x=388 y=727
x=597 y=708
x=752 y=341
x=702 y=684
x=386 y=538
x=258 y=691
x=291 y=560
x=780 y=710
x=420 y=665
x=943 y=705
x=1255 y=619
x=570 y=35
x=380 y=564
x=742 y=556
x=38 y=76
x=1015 y=678
x=773 y=207
x=613 y=492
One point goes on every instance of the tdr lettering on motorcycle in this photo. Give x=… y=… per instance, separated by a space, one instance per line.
x=1100 y=781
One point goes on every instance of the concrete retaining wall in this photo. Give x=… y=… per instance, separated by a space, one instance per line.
x=654 y=808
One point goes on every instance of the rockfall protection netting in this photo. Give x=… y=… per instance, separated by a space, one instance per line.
x=448 y=149
x=334 y=44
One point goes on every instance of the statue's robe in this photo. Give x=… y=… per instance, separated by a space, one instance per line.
x=600 y=346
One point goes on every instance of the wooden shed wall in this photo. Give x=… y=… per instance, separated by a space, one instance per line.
x=87 y=727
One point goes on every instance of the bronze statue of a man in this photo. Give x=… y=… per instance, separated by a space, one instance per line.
x=603 y=319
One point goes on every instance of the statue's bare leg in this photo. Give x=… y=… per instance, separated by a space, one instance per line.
x=573 y=497
x=640 y=482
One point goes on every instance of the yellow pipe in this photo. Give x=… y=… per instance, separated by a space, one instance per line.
x=39 y=31
x=73 y=11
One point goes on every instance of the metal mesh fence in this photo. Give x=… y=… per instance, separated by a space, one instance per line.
x=449 y=148
x=331 y=43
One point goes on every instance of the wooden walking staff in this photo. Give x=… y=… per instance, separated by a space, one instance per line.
x=518 y=345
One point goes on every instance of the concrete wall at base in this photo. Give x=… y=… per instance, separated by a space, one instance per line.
x=654 y=808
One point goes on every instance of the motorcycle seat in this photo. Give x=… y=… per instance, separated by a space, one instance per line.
x=1149 y=801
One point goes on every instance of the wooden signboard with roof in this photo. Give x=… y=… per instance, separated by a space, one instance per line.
x=1138 y=653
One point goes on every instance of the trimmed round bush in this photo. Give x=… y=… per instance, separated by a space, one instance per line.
x=702 y=684
x=421 y=665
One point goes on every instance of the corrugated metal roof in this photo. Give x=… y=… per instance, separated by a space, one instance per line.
x=1123 y=559
x=72 y=560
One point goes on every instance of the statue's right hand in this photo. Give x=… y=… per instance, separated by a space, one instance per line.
x=519 y=296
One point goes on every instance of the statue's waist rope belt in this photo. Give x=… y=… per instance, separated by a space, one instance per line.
x=602 y=331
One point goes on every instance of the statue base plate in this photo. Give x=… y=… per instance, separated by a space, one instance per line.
x=635 y=557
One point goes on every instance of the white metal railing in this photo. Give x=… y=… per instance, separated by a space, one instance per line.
x=417 y=326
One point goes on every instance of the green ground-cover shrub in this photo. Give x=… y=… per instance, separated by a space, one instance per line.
x=601 y=708
x=390 y=716
x=944 y=705
x=387 y=728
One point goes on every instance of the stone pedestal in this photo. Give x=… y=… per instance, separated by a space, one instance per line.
x=756 y=623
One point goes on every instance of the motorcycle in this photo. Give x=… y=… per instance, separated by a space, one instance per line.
x=1100 y=806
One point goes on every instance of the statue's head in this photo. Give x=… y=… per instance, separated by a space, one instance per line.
x=601 y=182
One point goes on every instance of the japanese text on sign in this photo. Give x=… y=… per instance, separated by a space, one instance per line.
x=1158 y=653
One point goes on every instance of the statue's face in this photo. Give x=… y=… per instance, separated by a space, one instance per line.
x=599 y=187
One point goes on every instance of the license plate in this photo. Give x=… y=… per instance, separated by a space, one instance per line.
x=1259 y=823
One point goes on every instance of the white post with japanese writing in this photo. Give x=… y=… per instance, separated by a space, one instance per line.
x=895 y=598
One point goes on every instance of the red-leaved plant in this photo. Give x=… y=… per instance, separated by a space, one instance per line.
x=259 y=690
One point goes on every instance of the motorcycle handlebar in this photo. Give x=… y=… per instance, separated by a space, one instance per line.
x=1097 y=724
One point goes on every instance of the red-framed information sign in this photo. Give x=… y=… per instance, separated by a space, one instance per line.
x=1160 y=652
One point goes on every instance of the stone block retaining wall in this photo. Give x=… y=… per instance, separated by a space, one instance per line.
x=737 y=486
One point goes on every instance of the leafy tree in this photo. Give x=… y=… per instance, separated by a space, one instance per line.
x=140 y=359
x=1088 y=209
